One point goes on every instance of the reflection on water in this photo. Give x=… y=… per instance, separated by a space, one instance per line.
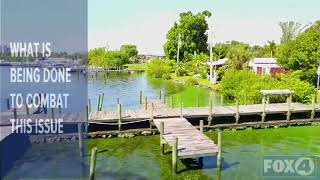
x=127 y=87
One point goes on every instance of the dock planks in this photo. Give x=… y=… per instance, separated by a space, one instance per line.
x=191 y=142
x=163 y=111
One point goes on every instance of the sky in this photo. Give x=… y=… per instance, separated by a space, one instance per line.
x=145 y=23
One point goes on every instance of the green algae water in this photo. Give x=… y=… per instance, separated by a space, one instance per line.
x=243 y=153
x=139 y=157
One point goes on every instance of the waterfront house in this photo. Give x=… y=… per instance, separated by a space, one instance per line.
x=263 y=66
x=214 y=66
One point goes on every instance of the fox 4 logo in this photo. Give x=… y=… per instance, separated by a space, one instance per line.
x=289 y=166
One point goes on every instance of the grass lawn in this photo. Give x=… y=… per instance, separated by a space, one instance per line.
x=137 y=66
x=201 y=82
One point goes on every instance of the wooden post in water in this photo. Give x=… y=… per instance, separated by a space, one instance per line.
x=140 y=97
x=151 y=115
x=27 y=109
x=201 y=126
x=99 y=99
x=161 y=137
x=164 y=98
x=219 y=155
x=101 y=102
x=119 y=116
x=289 y=107
x=313 y=105
x=160 y=95
x=181 y=106
x=86 y=125
x=80 y=137
x=146 y=102
x=15 y=113
x=89 y=107
x=93 y=163
x=237 y=112
x=263 y=115
x=210 y=117
x=8 y=104
x=174 y=155
x=118 y=100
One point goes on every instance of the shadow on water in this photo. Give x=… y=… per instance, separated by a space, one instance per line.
x=209 y=162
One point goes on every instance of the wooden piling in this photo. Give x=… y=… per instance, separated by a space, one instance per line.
x=146 y=102
x=151 y=115
x=164 y=98
x=210 y=117
x=313 y=107
x=140 y=97
x=80 y=137
x=101 y=102
x=99 y=99
x=201 y=126
x=119 y=116
x=161 y=138
x=27 y=109
x=8 y=104
x=15 y=113
x=237 y=112
x=263 y=115
x=89 y=105
x=160 y=95
x=174 y=155
x=93 y=163
x=219 y=155
x=118 y=100
x=86 y=125
x=289 y=98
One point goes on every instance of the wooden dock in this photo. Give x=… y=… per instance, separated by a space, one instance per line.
x=191 y=142
x=186 y=141
x=160 y=110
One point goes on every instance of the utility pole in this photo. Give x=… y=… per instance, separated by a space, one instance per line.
x=179 y=44
x=211 y=55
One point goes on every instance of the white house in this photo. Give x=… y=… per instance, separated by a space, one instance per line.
x=265 y=66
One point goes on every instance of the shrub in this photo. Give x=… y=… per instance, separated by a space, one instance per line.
x=192 y=81
x=166 y=76
x=158 y=67
x=239 y=84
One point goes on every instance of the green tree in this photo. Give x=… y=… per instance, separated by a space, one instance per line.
x=239 y=55
x=192 y=28
x=302 y=54
x=97 y=57
x=131 y=51
x=290 y=30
